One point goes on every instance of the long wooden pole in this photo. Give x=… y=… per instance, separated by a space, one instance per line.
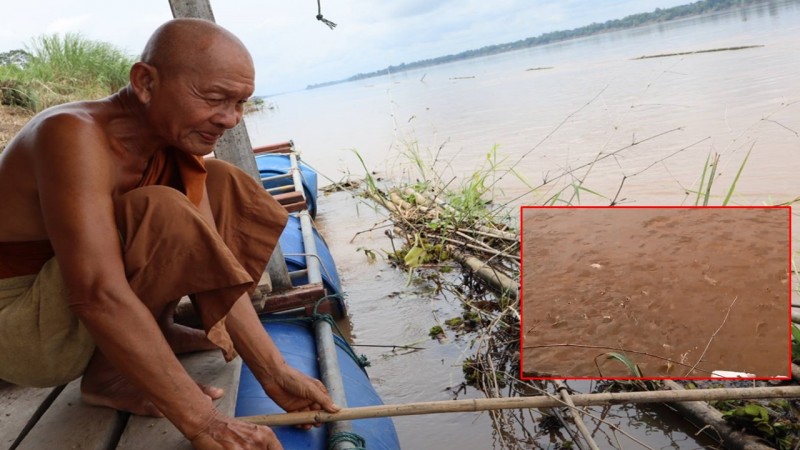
x=485 y=404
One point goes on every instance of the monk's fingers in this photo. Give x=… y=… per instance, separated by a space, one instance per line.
x=321 y=398
x=306 y=426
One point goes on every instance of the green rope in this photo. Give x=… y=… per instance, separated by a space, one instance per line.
x=361 y=360
x=346 y=436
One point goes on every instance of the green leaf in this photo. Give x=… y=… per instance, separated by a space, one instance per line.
x=735 y=179
x=632 y=367
x=711 y=175
x=415 y=256
x=702 y=181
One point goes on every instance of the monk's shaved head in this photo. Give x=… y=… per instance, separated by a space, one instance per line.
x=191 y=44
x=192 y=81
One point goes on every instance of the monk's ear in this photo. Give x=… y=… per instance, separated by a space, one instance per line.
x=143 y=78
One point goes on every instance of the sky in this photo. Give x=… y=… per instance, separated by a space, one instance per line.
x=291 y=49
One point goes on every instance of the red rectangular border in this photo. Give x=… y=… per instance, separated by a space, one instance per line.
x=788 y=209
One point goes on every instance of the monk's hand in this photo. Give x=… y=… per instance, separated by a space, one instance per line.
x=225 y=433
x=294 y=391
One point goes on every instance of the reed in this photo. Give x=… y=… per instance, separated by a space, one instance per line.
x=62 y=69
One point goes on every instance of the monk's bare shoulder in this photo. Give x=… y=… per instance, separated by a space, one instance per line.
x=56 y=148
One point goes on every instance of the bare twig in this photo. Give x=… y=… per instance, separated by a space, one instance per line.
x=727 y=313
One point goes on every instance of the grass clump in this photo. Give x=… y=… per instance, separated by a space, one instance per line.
x=57 y=69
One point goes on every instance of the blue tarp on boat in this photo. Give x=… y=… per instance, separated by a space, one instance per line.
x=296 y=342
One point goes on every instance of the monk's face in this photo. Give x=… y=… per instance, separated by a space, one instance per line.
x=196 y=102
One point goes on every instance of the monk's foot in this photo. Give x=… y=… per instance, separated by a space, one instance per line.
x=123 y=396
x=183 y=339
x=118 y=394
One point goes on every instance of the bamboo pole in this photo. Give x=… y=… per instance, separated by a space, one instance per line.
x=563 y=391
x=541 y=401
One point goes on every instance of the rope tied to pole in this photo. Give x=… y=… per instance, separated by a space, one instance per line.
x=346 y=436
x=362 y=359
x=327 y=22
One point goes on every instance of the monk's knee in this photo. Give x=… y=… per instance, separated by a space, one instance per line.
x=145 y=200
x=157 y=212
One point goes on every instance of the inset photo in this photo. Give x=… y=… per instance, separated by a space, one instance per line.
x=655 y=292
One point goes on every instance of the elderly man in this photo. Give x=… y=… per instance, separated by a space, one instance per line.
x=110 y=214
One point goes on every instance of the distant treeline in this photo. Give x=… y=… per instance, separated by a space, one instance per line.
x=635 y=20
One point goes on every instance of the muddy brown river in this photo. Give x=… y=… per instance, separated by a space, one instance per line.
x=689 y=290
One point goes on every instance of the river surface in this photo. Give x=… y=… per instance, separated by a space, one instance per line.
x=544 y=112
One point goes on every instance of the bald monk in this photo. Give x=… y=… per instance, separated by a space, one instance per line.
x=109 y=214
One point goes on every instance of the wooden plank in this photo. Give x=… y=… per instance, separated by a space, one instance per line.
x=280 y=147
x=295 y=207
x=71 y=424
x=19 y=406
x=288 y=198
x=145 y=433
x=297 y=297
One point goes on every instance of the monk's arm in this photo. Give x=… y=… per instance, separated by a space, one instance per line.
x=75 y=179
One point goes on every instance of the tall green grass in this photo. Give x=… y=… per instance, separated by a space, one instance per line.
x=61 y=69
x=710 y=174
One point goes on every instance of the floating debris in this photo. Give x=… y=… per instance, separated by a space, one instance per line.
x=724 y=49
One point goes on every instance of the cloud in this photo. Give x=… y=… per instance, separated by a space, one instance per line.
x=68 y=24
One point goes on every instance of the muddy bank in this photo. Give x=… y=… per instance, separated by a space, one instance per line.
x=695 y=288
x=11 y=120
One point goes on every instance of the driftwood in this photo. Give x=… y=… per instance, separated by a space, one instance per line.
x=705 y=417
x=486 y=404
x=463 y=243
x=487 y=273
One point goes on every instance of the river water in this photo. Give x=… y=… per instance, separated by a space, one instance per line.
x=544 y=112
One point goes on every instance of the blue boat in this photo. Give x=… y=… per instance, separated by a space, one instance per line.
x=309 y=260
x=296 y=342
